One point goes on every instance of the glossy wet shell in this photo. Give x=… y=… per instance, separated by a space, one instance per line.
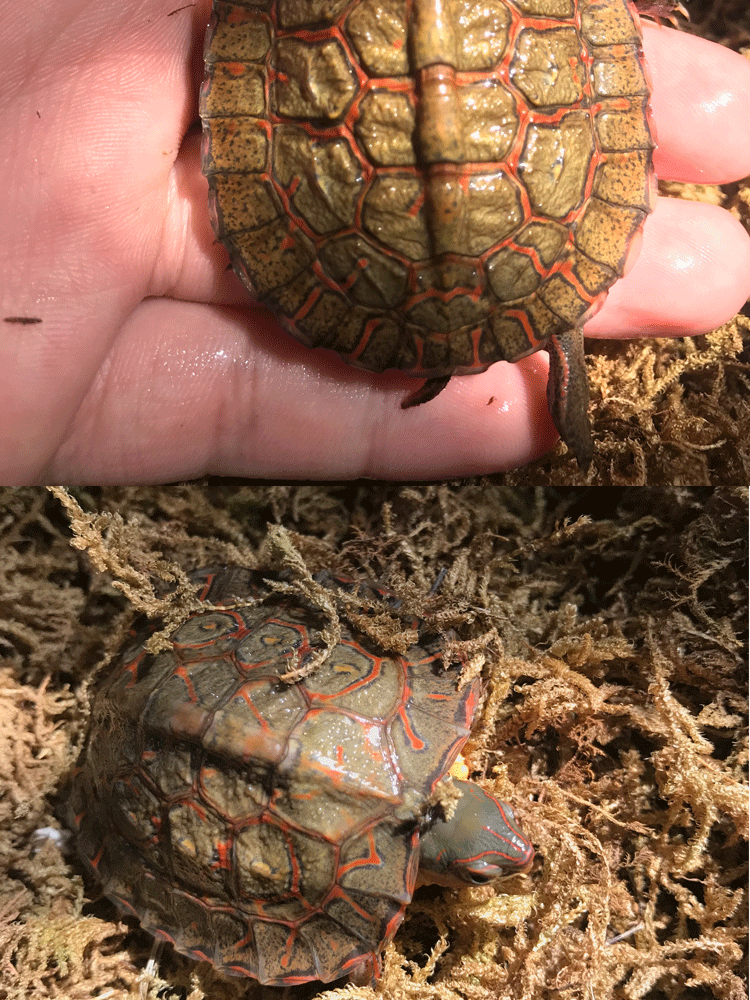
x=429 y=185
x=271 y=828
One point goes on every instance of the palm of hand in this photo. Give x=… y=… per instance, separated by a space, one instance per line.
x=144 y=367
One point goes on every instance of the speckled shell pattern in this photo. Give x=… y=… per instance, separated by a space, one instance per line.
x=270 y=828
x=427 y=185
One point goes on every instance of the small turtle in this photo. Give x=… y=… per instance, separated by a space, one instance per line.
x=278 y=828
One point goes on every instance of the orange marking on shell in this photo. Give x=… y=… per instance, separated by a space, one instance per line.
x=98 y=856
x=416 y=742
x=373 y=858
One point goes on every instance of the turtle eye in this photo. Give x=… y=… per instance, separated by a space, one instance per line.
x=473 y=873
x=479 y=877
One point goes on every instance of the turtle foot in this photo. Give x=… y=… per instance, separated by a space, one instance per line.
x=658 y=9
x=427 y=391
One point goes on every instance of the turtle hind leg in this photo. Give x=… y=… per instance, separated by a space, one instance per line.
x=427 y=391
x=568 y=394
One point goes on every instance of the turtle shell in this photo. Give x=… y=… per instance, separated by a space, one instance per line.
x=270 y=827
x=428 y=186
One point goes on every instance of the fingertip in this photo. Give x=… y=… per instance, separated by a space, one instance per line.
x=700 y=106
x=692 y=276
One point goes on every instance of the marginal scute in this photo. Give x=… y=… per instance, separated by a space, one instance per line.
x=622 y=129
x=196 y=930
x=517 y=270
x=605 y=231
x=622 y=179
x=246 y=201
x=136 y=807
x=435 y=351
x=280 y=953
x=380 y=862
x=232 y=141
x=238 y=34
x=574 y=286
x=518 y=330
x=235 y=89
x=328 y=312
x=617 y=70
x=591 y=278
x=609 y=22
x=274 y=255
x=379 y=339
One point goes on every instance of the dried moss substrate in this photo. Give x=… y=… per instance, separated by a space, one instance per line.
x=610 y=626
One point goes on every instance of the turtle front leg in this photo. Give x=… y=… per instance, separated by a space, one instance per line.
x=658 y=9
x=568 y=394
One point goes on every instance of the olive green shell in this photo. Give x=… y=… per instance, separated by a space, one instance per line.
x=428 y=185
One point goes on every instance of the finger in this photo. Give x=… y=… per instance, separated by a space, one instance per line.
x=700 y=105
x=692 y=275
x=190 y=390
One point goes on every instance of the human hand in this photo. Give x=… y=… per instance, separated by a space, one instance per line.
x=149 y=366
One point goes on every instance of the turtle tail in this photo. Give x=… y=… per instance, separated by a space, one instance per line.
x=568 y=394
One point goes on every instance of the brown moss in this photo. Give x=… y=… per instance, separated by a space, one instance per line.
x=610 y=627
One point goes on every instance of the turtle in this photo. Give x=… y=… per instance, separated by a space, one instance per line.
x=275 y=820
x=432 y=185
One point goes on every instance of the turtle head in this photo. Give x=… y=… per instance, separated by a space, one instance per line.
x=480 y=843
